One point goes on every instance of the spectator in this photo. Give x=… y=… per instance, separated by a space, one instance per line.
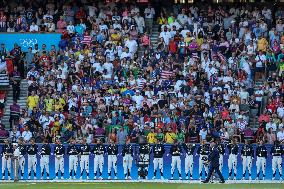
x=27 y=134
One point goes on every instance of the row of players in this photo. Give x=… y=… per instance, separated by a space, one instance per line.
x=81 y=153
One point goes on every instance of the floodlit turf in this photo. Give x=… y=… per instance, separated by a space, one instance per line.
x=83 y=185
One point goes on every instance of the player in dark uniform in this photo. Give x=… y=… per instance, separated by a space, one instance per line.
x=261 y=155
x=221 y=149
x=213 y=159
x=7 y=152
x=84 y=157
x=247 y=156
x=158 y=151
x=73 y=152
x=127 y=154
x=32 y=151
x=277 y=152
x=112 y=151
x=188 y=162
x=44 y=160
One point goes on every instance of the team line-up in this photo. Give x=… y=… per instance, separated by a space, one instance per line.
x=79 y=155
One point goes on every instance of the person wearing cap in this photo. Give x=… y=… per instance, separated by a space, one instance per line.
x=158 y=151
x=261 y=158
x=176 y=152
x=44 y=158
x=32 y=151
x=59 y=152
x=127 y=154
x=203 y=152
x=213 y=160
x=98 y=151
x=7 y=152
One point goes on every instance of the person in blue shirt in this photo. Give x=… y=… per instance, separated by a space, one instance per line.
x=213 y=160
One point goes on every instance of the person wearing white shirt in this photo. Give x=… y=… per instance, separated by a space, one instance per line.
x=280 y=135
x=34 y=27
x=280 y=111
x=166 y=35
x=132 y=46
x=140 y=23
x=70 y=28
x=272 y=125
x=137 y=98
x=27 y=134
x=149 y=15
x=125 y=54
x=182 y=18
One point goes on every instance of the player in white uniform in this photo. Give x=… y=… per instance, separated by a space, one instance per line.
x=44 y=160
x=73 y=153
x=247 y=156
x=277 y=152
x=158 y=151
x=233 y=154
x=261 y=155
x=176 y=153
x=99 y=151
x=112 y=151
x=188 y=162
x=127 y=153
x=7 y=152
x=84 y=154
x=32 y=151
x=59 y=152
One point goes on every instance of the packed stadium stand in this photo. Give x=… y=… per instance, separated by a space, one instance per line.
x=144 y=71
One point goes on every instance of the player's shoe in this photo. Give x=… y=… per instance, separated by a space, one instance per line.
x=129 y=178
x=115 y=177
x=109 y=177
x=100 y=178
x=162 y=178
x=180 y=178
x=234 y=178
x=186 y=177
x=153 y=178
x=172 y=178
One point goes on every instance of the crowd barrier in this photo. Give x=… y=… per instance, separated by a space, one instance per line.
x=167 y=165
x=26 y=40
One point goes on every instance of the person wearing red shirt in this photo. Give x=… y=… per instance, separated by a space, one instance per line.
x=172 y=46
x=81 y=14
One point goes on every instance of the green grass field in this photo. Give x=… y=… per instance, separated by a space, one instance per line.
x=83 y=185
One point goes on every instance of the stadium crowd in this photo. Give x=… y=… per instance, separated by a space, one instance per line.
x=213 y=72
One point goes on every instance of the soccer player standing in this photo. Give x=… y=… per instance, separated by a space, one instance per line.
x=22 y=159
x=277 y=152
x=73 y=153
x=99 y=151
x=203 y=151
x=232 y=162
x=176 y=153
x=261 y=155
x=59 y=152
x=7 y=152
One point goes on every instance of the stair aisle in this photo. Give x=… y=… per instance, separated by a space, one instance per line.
x=9 y=101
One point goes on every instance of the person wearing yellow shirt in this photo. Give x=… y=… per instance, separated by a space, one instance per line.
x=170 y=137
x=262 y=44
x=49 y=103
x=151 y=137
x=32 y=101
x=56 y=125
x=171 y=19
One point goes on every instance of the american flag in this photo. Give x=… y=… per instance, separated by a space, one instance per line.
x=87 y=39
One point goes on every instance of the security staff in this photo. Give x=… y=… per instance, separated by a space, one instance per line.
x=221 y=149
x=23 y=152
x=73 y=153
x=59 y=152
x=213 y=159
x=176 y=153
x=84 y=157
x=127 y=154
x=143 y=161
x=99 y=151
x=277 y=152
x=32 y=151
x=7 y=152
x=247 y=156
x=203 y=151
x=158 y=151
x=261 y=155
x=232 y=162
x=112 y=152
x=189 y=152
x=44 y=160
